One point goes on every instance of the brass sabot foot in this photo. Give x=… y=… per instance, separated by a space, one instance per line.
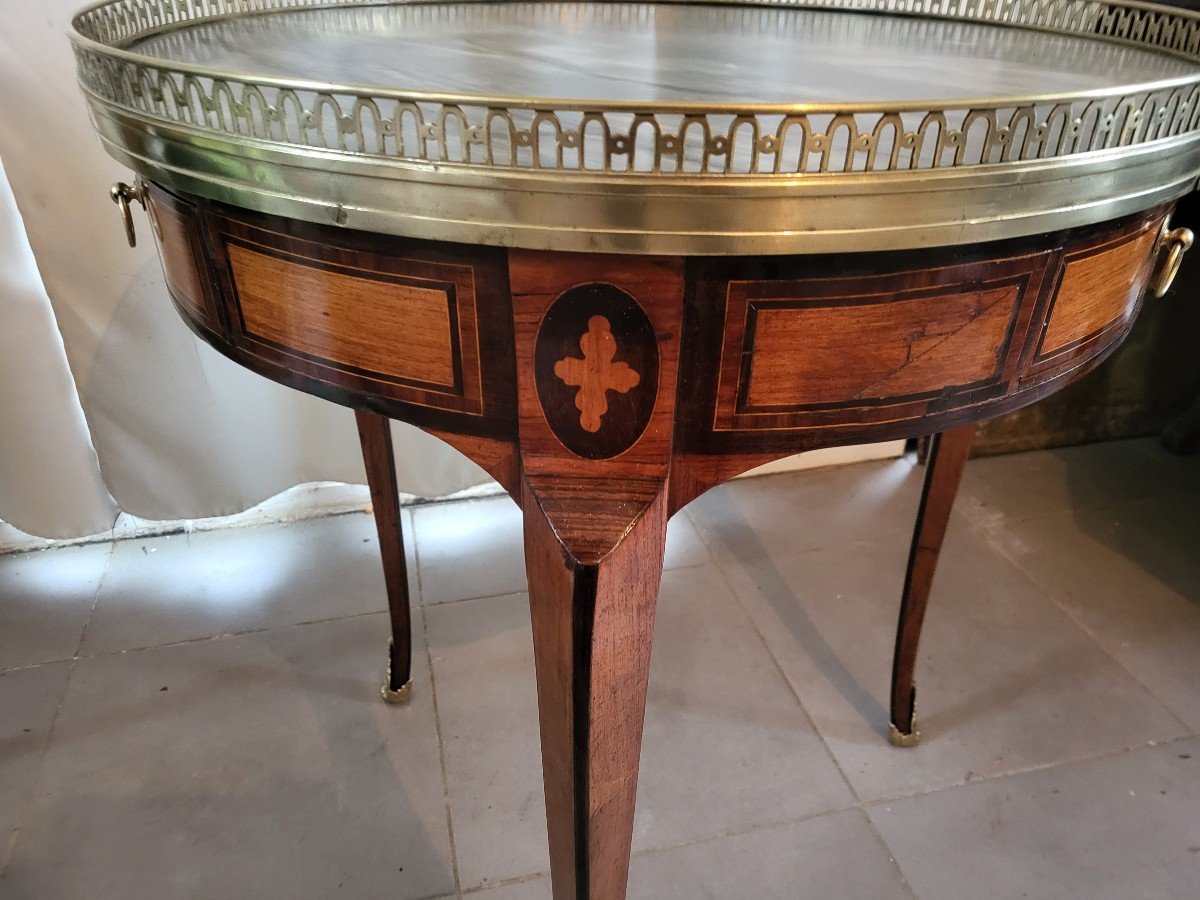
x=390 y=694
x=398 y=696
x=900 y=739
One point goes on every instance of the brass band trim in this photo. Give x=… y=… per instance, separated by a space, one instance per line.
x=666 y=215
x=982 y=169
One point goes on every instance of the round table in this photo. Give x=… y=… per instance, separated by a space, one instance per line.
x=617 y=253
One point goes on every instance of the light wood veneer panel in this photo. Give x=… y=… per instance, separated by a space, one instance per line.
x=1099 y=289
x=175 y=229
x=847 y=352
x=397 y=327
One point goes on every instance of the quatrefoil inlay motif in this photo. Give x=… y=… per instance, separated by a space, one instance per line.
x=596 y=374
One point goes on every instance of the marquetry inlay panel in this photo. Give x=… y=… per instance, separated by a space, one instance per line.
x=175 y=223
x=401 y=326
x=597 y=373
x=794 y=349
x=918 y=344
x=1099 y=292
x=608 y=366
x=602 y=333
x=596 y=369
x=317 y=310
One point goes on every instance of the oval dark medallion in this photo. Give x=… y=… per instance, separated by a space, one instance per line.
x=596 y=370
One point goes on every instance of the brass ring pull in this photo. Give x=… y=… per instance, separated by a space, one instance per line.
x=123 y=194
x=1175 y=241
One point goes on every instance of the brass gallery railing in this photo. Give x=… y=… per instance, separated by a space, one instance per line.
x=708 y=139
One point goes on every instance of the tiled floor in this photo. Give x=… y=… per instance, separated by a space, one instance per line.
x=197 y=715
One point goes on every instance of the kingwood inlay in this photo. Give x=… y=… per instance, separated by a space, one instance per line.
x=310 y=307
x=618 y=253
x=918 y=344
x=606 y=434
x=181 y=252
x=1100 y=288
x=596 y=369
x=596 y=374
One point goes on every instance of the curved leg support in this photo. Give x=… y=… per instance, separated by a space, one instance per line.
x=376 y=438
x=593 y=618
x=946 y=457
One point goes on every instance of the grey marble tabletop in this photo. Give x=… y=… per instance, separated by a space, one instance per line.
x=661 y=52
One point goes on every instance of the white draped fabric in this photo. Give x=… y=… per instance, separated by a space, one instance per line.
x=107 y=401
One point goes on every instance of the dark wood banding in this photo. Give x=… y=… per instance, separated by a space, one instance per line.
x=763 y=355
x=790 y=353
x=1099 y=291
x=315 y=309
x=403 y=324
x=607 y=391
x=297 y=303
x=178 y=234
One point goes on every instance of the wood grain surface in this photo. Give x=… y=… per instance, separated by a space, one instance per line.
x=1100 y=290
x=605 y=392
x=945 y=459
x=655 y=286
x=596 y=370
x=177 y=230
x=593 y=624
x=375 y=438
x=882 y=346
x=350 y=320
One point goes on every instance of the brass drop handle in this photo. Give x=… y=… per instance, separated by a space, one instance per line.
x=1175 y=242
x=123 y=195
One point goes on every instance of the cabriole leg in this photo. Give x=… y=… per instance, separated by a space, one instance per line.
x=376 y=437
x=947 y=455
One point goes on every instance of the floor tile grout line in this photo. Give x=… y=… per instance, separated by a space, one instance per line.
x=112 y=549
x=1081 y=760
x=679 y=845
x=750 y=829
x=525 y=589
x=859 y=802
x=437 y=725
x=456 y=600
x=991 y=522
x=8 y=849
x=770 y=655
x=225 y=635
x=1055 y=764
x=860 y=807
x=437 y=713
x=986 y=531
x=37 y=665
x=1045 y=767
x=1137 y=446
x=1062 y=762
x=505 y=882
x=892 y=858
x=692 y=842
x=1051 y=595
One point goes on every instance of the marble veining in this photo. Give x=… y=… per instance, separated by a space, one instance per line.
x=661 y=52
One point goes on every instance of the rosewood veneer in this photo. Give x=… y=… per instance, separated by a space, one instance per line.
x=617 y=253
x=606 y=392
